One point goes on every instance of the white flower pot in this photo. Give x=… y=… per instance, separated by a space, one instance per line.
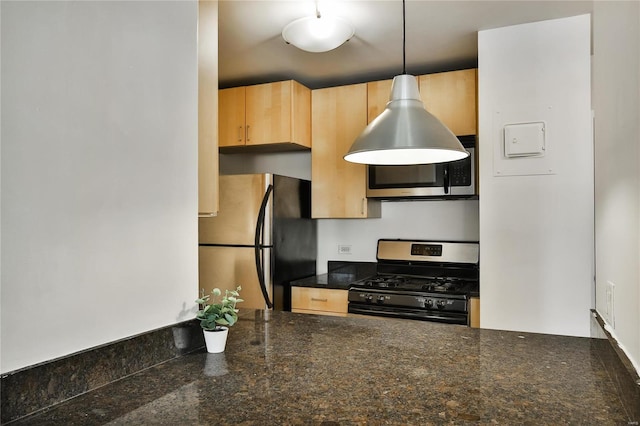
x=216 y=340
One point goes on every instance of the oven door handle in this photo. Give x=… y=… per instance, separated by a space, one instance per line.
x=425 y=315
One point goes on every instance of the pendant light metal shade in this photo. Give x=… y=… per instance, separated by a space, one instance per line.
x=405 y=132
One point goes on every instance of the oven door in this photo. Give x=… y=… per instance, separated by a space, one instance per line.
x=408 y=313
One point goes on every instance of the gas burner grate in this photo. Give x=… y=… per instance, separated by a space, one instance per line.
x=414 y=283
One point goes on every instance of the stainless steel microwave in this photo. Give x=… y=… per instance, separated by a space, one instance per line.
x=453 y=179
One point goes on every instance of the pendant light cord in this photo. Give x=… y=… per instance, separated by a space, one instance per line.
x=404 y=51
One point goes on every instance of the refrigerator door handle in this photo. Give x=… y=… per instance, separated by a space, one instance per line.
x=258 y=246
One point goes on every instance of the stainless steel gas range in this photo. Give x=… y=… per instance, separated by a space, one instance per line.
x=423 y=280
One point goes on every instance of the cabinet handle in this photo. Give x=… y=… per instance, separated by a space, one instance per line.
x=313 y=299
x=248 y=133
x=364 y=200
x=239 y=133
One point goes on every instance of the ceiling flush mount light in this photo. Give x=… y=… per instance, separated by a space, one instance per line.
x=405 y=132
x=318 y=33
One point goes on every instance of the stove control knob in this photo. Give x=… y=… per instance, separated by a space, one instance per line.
x=440 y=304
x=368 y=297
x=429 y=303
x=380 y=299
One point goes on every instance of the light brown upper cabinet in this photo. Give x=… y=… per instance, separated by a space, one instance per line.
x=265 y=117
x=338 y=187
x=451 y=97
x=231 y=117
x=207 y=108
x=378 y=93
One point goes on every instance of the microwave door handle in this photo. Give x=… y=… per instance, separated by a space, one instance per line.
x=445 y=182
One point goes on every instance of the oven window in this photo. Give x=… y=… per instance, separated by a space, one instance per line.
x=413 y=176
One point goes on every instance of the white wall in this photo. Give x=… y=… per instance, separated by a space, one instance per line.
x=616 y=102
x=454 y=220
x=536 y=230
x=437 y=220
x=99 y=173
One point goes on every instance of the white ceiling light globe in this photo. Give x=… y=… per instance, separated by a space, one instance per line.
x=318 y=34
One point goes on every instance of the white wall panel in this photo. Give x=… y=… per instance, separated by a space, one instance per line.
x=99 y=173
x=616 y=102
x=536 y=230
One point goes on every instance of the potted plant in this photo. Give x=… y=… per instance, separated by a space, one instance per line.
x=217 y=316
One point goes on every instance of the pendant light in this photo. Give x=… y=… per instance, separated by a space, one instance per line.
x=405 y=132
x=318 y=33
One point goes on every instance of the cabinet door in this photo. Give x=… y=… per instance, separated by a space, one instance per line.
x=231 y=117
x=474 y=312
x=207 y=108
x=338 y=187
x=451 y=97
x=378 y=93
x=268 y=113
x=301 y=115
x=319 y=301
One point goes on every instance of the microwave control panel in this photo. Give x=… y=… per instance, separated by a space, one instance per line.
x=460 y=172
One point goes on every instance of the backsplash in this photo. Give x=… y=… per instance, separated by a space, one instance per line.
x=450 y=220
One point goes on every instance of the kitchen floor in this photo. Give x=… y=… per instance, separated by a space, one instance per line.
x=285 y=368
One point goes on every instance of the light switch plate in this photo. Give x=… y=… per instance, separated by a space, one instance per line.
x=524 y=139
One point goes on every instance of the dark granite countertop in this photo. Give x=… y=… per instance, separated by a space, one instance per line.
x=297 y=369
x=340 y=275
x=331 y=280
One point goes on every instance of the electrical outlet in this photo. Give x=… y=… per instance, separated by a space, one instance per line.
x=344 y=249
x=610 y=303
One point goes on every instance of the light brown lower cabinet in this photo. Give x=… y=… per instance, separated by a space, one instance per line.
x=474 y=312
x=319 y=301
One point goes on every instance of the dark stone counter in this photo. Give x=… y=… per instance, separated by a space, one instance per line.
x=295 y=369
x=340 y=275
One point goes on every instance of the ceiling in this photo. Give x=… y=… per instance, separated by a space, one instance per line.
x=440 y=36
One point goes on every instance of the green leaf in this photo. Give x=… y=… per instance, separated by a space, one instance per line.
x=230 y=319
x=217 y=310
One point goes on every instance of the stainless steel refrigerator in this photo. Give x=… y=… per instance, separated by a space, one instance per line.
x=262 y=239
